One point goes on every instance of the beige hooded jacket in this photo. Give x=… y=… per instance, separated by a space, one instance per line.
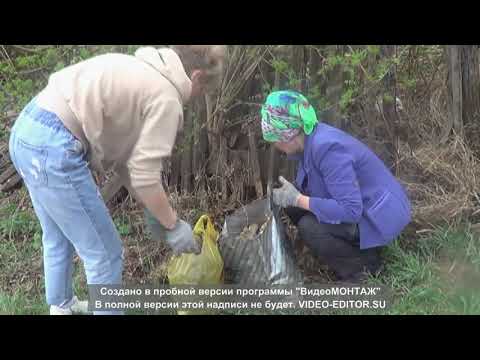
x=126 y=110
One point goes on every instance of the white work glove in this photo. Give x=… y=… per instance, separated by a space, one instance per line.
x=180 y=239
x=287 y=195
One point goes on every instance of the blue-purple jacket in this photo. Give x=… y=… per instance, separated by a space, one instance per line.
x=348 y=183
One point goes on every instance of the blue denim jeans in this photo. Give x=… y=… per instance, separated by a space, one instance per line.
x=67 y=202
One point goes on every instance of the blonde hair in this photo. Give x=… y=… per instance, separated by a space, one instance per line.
x=208 y=58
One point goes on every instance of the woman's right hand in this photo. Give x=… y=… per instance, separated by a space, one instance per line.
x=182 y=240
x=179 y=238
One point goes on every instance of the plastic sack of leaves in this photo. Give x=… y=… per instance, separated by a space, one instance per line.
x=255 y=248
x=197 y=270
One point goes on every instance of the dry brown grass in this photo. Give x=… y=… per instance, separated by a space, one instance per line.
x=445 y=182
x=440 y=173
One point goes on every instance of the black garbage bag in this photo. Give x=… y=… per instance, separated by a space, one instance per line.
x=255 y=247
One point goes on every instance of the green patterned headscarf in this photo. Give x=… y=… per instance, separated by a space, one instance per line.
x=285 y=115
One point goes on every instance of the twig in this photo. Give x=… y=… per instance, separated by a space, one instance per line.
x=317 y=51
x=9 y=59
x=7 y=174
x=239 y=103
x=12 y=182
x=28 y=72
x=245 y=122
x=33 y=51
x=361 y=66
x=421 y=97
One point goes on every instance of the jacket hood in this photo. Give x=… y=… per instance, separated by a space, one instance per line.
x=167 y=63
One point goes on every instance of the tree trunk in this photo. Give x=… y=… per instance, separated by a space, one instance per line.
x=470 y=85
x=255 y=164
x=390 y=107
x=200 y=146
x=272 y=152
x=187 y=152
x=300 y=67
x=298 y=64
x=455 y=75
x=334 y=91
x=314 y=63
x=175 y=163
x=223 y=167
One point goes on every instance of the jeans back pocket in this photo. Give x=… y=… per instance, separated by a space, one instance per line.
x=31 y=162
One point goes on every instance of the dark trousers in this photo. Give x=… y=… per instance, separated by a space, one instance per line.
x=337 y=246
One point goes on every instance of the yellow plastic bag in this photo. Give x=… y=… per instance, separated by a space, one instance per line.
x=203 y=269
